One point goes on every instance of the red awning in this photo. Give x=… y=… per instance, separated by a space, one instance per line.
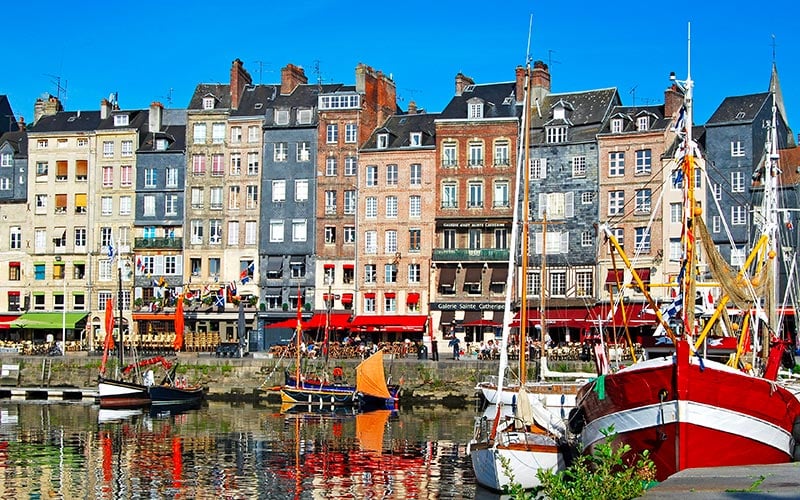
x=369 y=295
x=329 y=266
x=287 y=323
x=615 y=276
x=326 y=297
x=347 y=298
x=338 y=321
x=644 y=275
x=348 y=266
x=13 y=293
x=390 y=323
x=575 y=317
x=153 y=316
x=389 y=295
x=413 y=298
x=6 y=319
x=13 y=264
x=482 y=323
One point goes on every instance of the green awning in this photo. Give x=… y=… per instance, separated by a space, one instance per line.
x=48 y=320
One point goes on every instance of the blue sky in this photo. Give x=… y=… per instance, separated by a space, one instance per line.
x=150 y=51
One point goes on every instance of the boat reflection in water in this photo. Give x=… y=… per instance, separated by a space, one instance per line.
x=222 y=451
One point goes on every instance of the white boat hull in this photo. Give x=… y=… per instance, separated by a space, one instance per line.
x=558 y=399
x=524 y=455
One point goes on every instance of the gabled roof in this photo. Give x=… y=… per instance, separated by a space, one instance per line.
x=630 y=113
x=17 y=140
x=221 y=91
x=8 y=122
x=740 y=109
x=137 y=119
x=498 y=101
x=67 y=121
x=590 y=109
x=400 y=127
x=174 y=134
x=255 y=100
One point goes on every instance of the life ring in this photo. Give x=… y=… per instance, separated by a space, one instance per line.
x=338 y=372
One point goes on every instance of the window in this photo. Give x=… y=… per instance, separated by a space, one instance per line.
x=281 y=152
x=106 y=205
x=558 y=283
x=208 y=102
x=339 y=101
x=350 y=166
x=349 y=234
x=331 y=167
x=215 y=198
x=391 y=207
x=253 y=133
x=297 y=270
x=475 y=199
x=390 y=241
x=108 y=177
x=737 y=148
x=6 y=160
x=475 y=152
x=215 y=231
x=415 y=139
x=642 y=201
x=642 y=240
x=299 y=230
x=738 y=215
x=281 y=116
x=587 y=197
x=250 y=232
x=616 y=164
x=14 y=271
x=332 y=133
x=619 y=235
x=349 y=202
x=449 y=239
x=217 y=165
x=171 y=205
x=350 y=133
x=584 y=284
x=303 y=151
x=501 y=157
x=236 y=135
x=233 y=232
x=198 y=164
x=616 y=202
x=716 y=224
x=557 y=205
x=538 y=168
x=390 y=273
x=234 y=192
x=275 y=231
x=501 y=238
x=717 y=190
x=330 y=202
x=197 y=198
x=557 y=243
x=304 y=116
x=82 y=142
x=61 y=170
x=125 y=205
x=236 y=164
x=738 y=256
x=41 y=204
x=330 y=235
x=126 y=148
x=279 y=191
x=587 y=238
x=557 y=134
x=372 y=175
x=534 y=284
x=675 y=213
x=642 y=123
x=737 y=182
x=301 y=190
x=15 y=237
x=578 y=166
x=252 y=163
x=414 y=273
x=449 y=157
x=501 y=197
x=149 y=205
x=108 y=149
x=675 y=250
x=370 y=273
x=616 y=125
x=644 y=161
x=371 y=205
x=199 y=133
x=80 y=237
x=414 y=240
x=415 y=206
x=449 y=195
x=252 y=197
x=371 y=242
x=383 y=141
x=475 y=239
x=475 y=109
x=391 y=175
x=41 y=169
x=415 y=175
x=5 y=184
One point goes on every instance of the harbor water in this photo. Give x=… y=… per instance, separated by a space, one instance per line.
x=225 y=450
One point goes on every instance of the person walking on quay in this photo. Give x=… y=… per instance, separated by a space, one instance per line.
x=434 y=350
x=455 y=344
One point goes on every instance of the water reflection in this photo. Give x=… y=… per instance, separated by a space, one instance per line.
x=228 y=451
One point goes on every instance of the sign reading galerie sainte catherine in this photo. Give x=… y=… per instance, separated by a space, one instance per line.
x=462 y=306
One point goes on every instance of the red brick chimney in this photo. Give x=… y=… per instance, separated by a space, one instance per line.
x=21 y=124
x=462 y=81
x=291 y=77
x=519 y=88
x=105 y=108
x=240 y=78
x=673 y=100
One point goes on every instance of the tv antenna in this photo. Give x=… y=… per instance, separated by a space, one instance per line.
x=550 y=59
x=632 y=92
x=318 y=72
x=61 y=91
x=169 y=96
x=260 y=70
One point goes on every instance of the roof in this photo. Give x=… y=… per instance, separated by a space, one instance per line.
x=18 y=140
x=67 y=121
x=740 y=109
x=137 y=119
x=589 y=111
x=9 y=124
x=221 y=91
x=175 y=135
x=498 y=98
x=631 y=113
x=256 y=99
x=400 y=127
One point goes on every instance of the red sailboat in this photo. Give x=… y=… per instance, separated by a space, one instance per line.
x=684 y=407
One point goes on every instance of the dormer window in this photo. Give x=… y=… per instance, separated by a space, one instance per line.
x=559 y=113
x=120 y=120
x=162 y=144
x=282 y=117
x=415 y=139
x=303 y=116
x=616 y=125
x=383 y=141
x=475 y=109
x=557 y=134
x=208 y=102
x=642 y=123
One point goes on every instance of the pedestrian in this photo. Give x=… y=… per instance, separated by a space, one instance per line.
x=434 y=350
x=454 y=343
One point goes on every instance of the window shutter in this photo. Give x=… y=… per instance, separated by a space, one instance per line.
x=569 y=204
x=537 y=243
x=565 y=242
x=542 y=204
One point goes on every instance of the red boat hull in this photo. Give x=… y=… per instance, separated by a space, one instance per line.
x=689 y=413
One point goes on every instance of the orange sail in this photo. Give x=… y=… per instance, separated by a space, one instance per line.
x=369 y=429
x=370 y=379
x=109 y=340
x=179 y=322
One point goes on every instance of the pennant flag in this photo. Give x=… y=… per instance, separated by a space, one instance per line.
x=668 y=313
x=710 y=298
x=219 y=300
x=680 y=123
x=231 y=289
x=112 y=252
x=140 y=265
x=247 y=272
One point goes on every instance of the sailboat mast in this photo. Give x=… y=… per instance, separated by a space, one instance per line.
x=120 y=354
x=694 y=212
x=523 y=315
x=542 y=291
x=771 y=171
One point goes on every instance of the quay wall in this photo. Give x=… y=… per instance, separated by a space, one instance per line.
x=447 y=381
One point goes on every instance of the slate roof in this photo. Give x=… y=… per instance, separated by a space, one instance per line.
x=256 y=99
x=740 y=109
x=399 y=128
x=8 y=121
x=67 y=121
x=18 y=140
x=222 y=92
x=175 y=134
x=498 y=101
x=630 y=113
x=589 y=111
x=137 y=118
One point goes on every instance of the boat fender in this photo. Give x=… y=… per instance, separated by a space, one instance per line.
x=576 y=420
x=787 y=359
x=796 y=430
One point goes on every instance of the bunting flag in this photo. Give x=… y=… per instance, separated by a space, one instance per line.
x=112 y=251
x=680 y=123
x=231 y=291
x=219 y=299
x=668 y=313
x=140 y=265
x=244 y=277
